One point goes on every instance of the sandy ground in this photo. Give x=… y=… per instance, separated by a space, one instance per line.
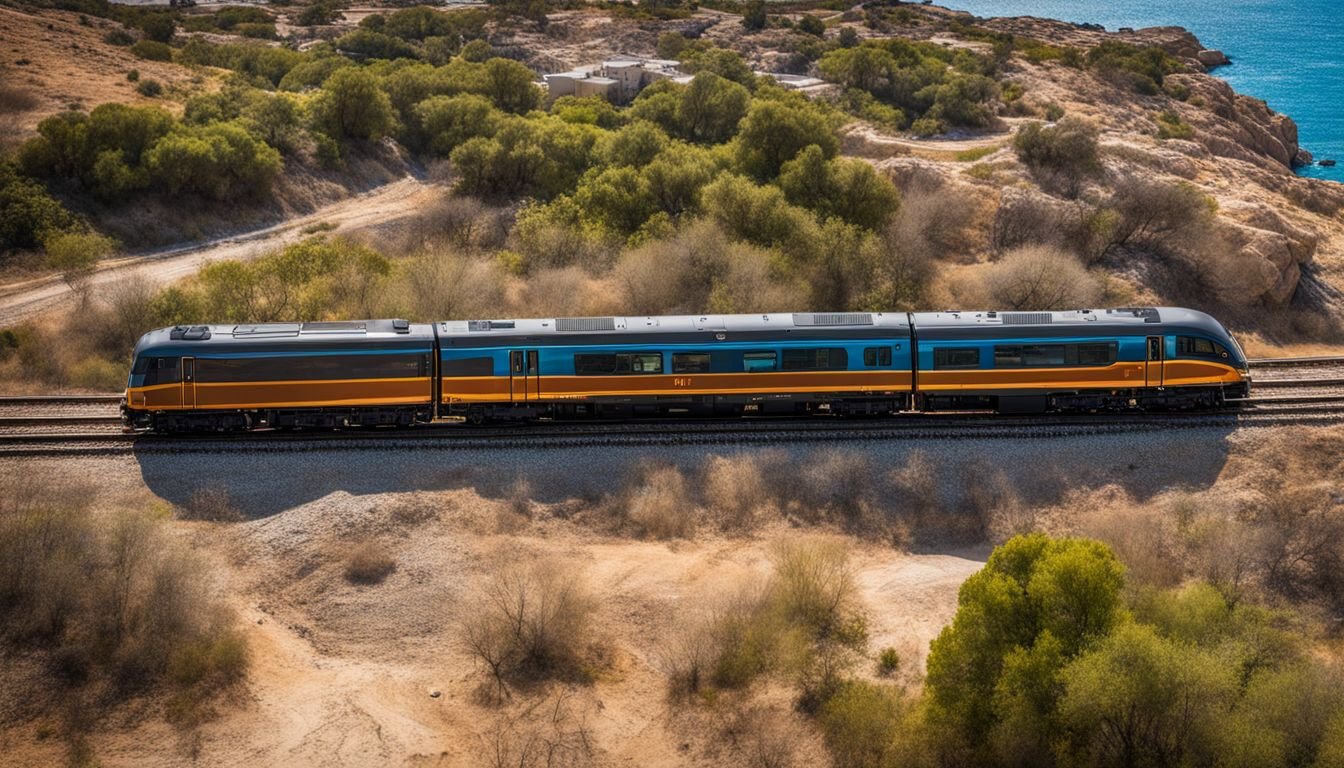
x=344 y=674
x=385 y=204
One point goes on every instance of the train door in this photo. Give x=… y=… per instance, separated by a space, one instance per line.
x=188 y=382
x=524 y=378
x=1153 y=374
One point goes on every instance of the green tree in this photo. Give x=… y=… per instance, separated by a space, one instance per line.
x=753 y=15
x=75 y=255
x=773 y=132
x=352 y=106
x=615 y=198
x=275 y=119
x=848 y=189
x=1062 y=593
x=676 y=176
x=449 y=121
x=511 y=86
x=721 y=61
x=711 y=108
x=636 y=145
x=28 y=215
x=1138 y=699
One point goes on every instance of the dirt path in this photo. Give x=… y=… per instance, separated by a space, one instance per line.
x=20 y=301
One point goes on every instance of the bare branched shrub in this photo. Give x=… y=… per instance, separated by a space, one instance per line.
x=556 y=292
x=546 y=734
x=532 y=622
x=462 y=223
x=121 y=312
x=1030 y=218
x=1162 y=216
x=735 y=490
x=110 y=596
x=934 y=221
x=1041 y=278
x=700 y=270
x=771 y=738
x=448 y=285
x=212 y=504
x=658 y=504
x=368 y=562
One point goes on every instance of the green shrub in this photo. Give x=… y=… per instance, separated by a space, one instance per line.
x=118 y=37
x=28 y=215
x=862 y=723
x=848 y=189
x=150 y=88
x=319 y=12
x=888 y=661
x=1142 y=69
x=257 y=31
x=219 y=160
x=1062 y=155
x=152 y=50
x=352 y=106
x=133 y=75
x=367 y=44
x=1171 y=126
x=98 y=374
x=158 y=27
x=311 y=74
x=811 y=25
x=448 y=121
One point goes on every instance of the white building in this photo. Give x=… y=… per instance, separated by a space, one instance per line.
x=619 y=79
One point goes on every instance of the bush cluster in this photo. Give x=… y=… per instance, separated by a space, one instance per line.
x=110 y=599
x=931 y=88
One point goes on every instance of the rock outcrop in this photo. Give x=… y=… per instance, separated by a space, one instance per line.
x=1211 y=58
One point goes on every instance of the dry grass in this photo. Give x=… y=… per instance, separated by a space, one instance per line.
x=110 y=598
x=369 y=562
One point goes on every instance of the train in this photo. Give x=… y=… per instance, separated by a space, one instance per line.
x=375 y=373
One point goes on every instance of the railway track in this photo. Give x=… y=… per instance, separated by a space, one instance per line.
x=1311 y=411
x=84 y=424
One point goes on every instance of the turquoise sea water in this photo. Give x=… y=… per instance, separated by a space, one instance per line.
x=1288 y=52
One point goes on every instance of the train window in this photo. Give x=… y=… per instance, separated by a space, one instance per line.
x=1048 y=355
x=158 y=370
x=469 y=366
x=1043 y=355
x=312 y=367
x=877 y=356
x=1197 y=347
x=690 y=362
x=815 y=359
x=952 y=357
x=1097 y=353
x=595 y=365
x=753 y=362
x=618 y=364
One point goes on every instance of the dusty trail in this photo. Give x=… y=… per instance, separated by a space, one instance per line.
x=388 y=203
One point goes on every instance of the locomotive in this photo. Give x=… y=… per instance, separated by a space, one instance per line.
x=396 y=373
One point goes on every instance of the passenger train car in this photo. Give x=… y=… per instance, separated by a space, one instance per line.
x=391 y=372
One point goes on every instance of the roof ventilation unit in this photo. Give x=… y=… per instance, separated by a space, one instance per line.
x=1027 y=318
x=190 y=333
x=490 y=325
x=571 y=324
x=832 y=318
